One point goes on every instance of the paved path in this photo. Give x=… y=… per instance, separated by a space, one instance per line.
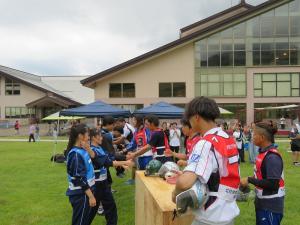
x=26 y=140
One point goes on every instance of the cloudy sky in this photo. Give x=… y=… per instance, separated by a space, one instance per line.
x=79 y=37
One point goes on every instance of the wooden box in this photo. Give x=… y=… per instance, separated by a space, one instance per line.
x=153 y=202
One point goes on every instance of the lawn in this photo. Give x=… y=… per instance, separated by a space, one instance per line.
x=32 y=189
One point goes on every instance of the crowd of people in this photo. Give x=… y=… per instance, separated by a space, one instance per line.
x=212 y=155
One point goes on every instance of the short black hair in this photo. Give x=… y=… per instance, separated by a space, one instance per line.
x=185 y=122
x=267 y=130
x=120 y=119
x=119 y=129
x=152 y=119
x=205 y=107
x=108 y=120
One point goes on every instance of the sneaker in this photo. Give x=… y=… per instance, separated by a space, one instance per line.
x=100 y=211
x=130 y=182
x=113 y=191
x=297 y=164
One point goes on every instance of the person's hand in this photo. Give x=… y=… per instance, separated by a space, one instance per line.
x=130 y=156
x=181 y=162
x=85 y=145
x=130 y=163
x=244 y=182
x=168 y=152
x=92 y=201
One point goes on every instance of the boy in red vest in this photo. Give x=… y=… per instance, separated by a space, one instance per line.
x=214 y=161
x=268 y=177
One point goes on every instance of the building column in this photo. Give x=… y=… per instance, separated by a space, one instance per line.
x=250 y=112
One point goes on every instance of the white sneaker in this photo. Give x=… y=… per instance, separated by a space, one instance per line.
x=100 y=211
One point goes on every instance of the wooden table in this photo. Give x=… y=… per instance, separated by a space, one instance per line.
x=153 y=202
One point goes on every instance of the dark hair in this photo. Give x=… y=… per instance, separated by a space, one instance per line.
x=185 y=122
x=120 y=119
x=139 y=120
x=267 y=130
x=94 y=132
x=205 y=107
x=119 y=129
x=152 y=119
x=74 y=133
x=108 y=120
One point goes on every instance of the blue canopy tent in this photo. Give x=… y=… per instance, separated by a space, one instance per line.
x=162 y=110
x=96 y=109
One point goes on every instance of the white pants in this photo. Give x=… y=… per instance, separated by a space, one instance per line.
x=195 y=222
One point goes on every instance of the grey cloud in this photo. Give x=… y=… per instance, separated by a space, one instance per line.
x=85 y=37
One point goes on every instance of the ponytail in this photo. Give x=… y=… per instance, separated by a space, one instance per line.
x=74 y=133
x=268 y=130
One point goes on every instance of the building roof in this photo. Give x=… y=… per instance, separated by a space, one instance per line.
x=251 y=10
x=34 y=81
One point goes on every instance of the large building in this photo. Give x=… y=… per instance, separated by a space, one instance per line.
x=245 y=57
x=24 y=95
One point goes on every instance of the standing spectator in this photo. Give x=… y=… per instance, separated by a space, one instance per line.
x=128 y=131
x=17 y=127
x=282 y=123
x=253 y=149
x=175 y=135
x=31 y=132
x=238 y=135
x=37 y=132
x=295 y=145
x=165 y=128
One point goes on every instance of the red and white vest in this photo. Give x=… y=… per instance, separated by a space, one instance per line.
x=258 y=175
x=140 y=138
x=229 y=173
x=190 y=143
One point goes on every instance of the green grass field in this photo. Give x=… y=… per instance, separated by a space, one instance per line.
x=32 y=189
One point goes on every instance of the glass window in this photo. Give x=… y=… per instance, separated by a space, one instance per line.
x=253 y=27
x=115 y=90
x=267 y=24
x=228 y=89
x=12 y=87
x=269 y=89
x=239 y=31
x=214 y=58
x=295 y=80
x=239 y=58
x=272 y=85
x=214 y=78
x=128 y=90
x=239 y=89
x=203 y=89
x=283 y=89
x=214 y=89
x=257 y=81
x=165 y=89
x=282 y=21
x=179 y=90
x=295 y=53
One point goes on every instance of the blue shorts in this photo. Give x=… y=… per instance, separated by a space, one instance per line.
x=143 y=161
x=266 y=217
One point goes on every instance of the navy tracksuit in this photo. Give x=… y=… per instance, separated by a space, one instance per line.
x=81 y=177
x=103 y=192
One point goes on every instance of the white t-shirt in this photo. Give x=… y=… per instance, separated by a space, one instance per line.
x=203 y=163
x=126 y=130
x=237 y=134
x=174 y=139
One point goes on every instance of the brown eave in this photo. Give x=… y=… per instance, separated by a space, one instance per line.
x=177 y=42
x=241 y=5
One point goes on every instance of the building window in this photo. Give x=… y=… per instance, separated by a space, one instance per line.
x=221 y=85
x=277 y=85
x=122 y=90
x=131 y=108
x=19 y=112
x=12 y=87
x=172 y=89
x=269 y=39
